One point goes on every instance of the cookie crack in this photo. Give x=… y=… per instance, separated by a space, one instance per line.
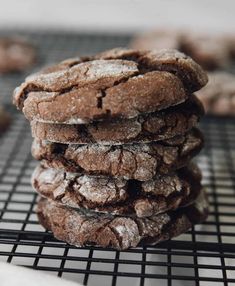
x=107 y=225
x=100 y=99
x=31 y=87
x=116 y=234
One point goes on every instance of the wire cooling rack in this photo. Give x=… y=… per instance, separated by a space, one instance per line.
x=203 y=256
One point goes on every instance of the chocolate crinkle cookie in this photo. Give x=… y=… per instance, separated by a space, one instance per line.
x=115 y=134
x=119 y=83
x=80 y=228
x=218 y=97
x=119 y=196
x=211 y=51
x=16 y=54
x=145 y=128
x=138 y=161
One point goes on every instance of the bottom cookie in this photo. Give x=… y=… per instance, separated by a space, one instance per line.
x=82 y=228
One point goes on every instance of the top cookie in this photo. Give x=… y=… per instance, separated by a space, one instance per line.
x=119 y=83
x=15 y=55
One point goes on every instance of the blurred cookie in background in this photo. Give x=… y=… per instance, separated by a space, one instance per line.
x=230 y=39
x=5 y=120
x=218 y=97
x=211 y=51
x=16 y=54
x=158 y=39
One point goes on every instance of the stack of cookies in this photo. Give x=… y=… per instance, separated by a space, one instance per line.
x=115 y=134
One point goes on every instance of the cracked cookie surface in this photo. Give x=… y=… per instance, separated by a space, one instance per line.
x=145 y=128
x=119 y=196
x=15 y=55
x=82 y=228
x=139 y=161
x=119 y=83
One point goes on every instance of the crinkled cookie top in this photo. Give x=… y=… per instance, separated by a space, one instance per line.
x=112 y=82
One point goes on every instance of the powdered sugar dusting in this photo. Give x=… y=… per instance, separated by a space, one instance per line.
x=48 y=175
x=101 y=68
x=201 y=204
x=100 y=190
x=83 y=74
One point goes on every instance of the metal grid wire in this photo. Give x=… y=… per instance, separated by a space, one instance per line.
x=203 y=256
